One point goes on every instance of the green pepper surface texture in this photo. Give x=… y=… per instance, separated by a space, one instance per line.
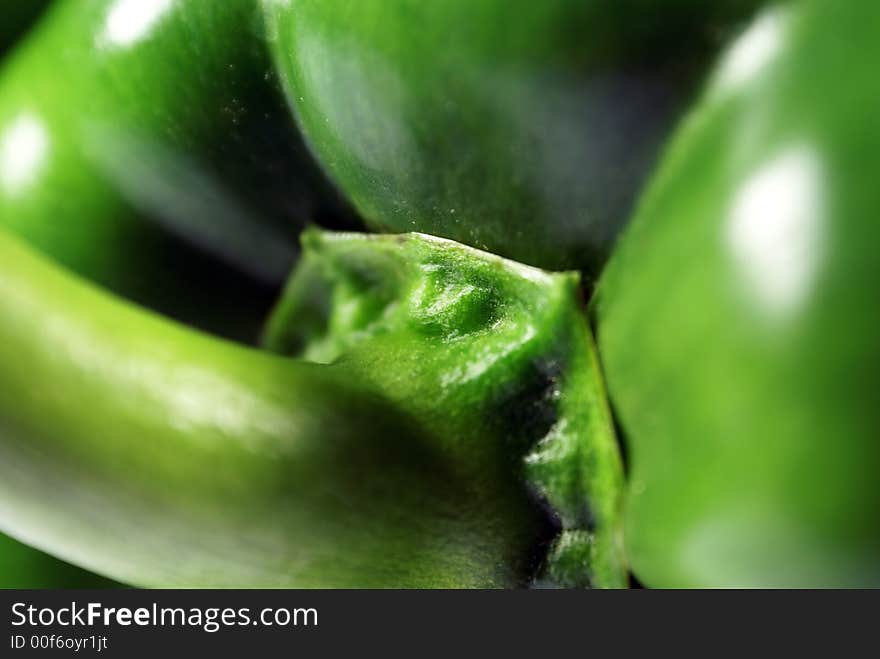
x=103 y=216
x=525 y=129
x=737 y=321
x=422 y=413
x=146 y=145
x=497 y=354
x=159 y=456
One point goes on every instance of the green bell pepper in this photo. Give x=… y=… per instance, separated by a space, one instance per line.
x=495 y=353
x=433 y=415
x=737 y=321
x=525 y=130
x=162 y=457
x=146 y=146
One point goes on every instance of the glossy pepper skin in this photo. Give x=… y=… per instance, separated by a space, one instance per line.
x=737 y=322
x=177 y=459
x=145 y=145
x=525 y=131
x=22 y=566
